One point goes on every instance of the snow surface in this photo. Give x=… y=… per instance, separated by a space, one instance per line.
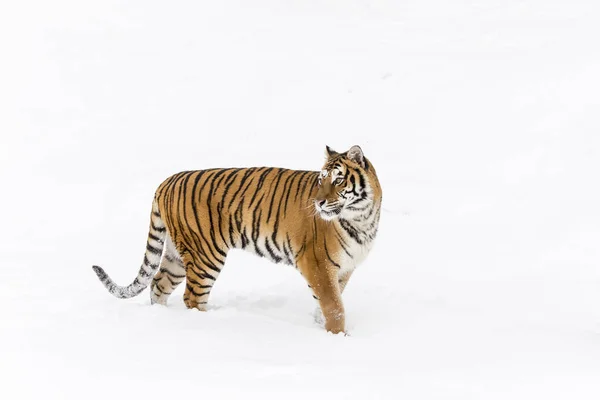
x=481 y=118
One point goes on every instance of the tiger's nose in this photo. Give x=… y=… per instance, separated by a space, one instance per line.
x=322 y=203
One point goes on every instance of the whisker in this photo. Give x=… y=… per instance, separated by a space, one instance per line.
x=310 y=206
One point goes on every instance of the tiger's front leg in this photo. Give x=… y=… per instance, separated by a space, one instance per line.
x=323 y=280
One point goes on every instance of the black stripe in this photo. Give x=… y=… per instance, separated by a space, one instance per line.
x=163 y=291
x=148 y=263
x=255 y=233
x=274 y=256
x=274 y=235
x=239 y=214
x=245 y=240
x=166 y=271
x=313 y=183
x=206 y=293
x=288 y=254
x=328 y=256
x=351 y=231
x=203 y=274
x=172 y=281
x=153 y=237
x=153 y=250
x=289 y=243
x=231 y=177
x=191 y=289
x=342 y=243
x=196 y=283
x=220 y=223
x=361 y=180
x=301 y=174
x=279 y=175
x=353 y=182
x=261 y=180
x=302 y=248
x=213 y=267
x=155 y=228
x=242 y=181
x=357 y=208
x=294 y=175
x=231 y=231
x=304 y=180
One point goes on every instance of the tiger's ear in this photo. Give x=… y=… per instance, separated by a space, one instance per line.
x=329 y=152
x=356 y=154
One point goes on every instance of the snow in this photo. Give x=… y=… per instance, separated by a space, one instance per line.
x=480 y=118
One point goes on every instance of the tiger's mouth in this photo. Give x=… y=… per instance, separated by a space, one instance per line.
x=330 y=214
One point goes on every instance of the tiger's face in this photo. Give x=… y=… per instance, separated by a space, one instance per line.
x=344 y=185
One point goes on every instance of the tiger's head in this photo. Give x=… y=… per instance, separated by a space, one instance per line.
x=348 y=185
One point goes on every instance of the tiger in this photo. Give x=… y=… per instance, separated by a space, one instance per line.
x=323 y=223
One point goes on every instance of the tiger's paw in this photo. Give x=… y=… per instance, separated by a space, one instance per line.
x=192 y=303
x=154 y=299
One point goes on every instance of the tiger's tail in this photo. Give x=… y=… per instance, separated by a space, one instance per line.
x=154 y=249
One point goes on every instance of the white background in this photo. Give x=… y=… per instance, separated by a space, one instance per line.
x=481 y=118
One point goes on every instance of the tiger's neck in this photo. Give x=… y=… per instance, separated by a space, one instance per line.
x=363 y=228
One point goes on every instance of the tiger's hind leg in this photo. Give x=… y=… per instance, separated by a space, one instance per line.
x=169 y=276
x=201 y=275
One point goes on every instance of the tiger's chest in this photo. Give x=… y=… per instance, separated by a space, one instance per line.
x=357 y=244
x=353 y=254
